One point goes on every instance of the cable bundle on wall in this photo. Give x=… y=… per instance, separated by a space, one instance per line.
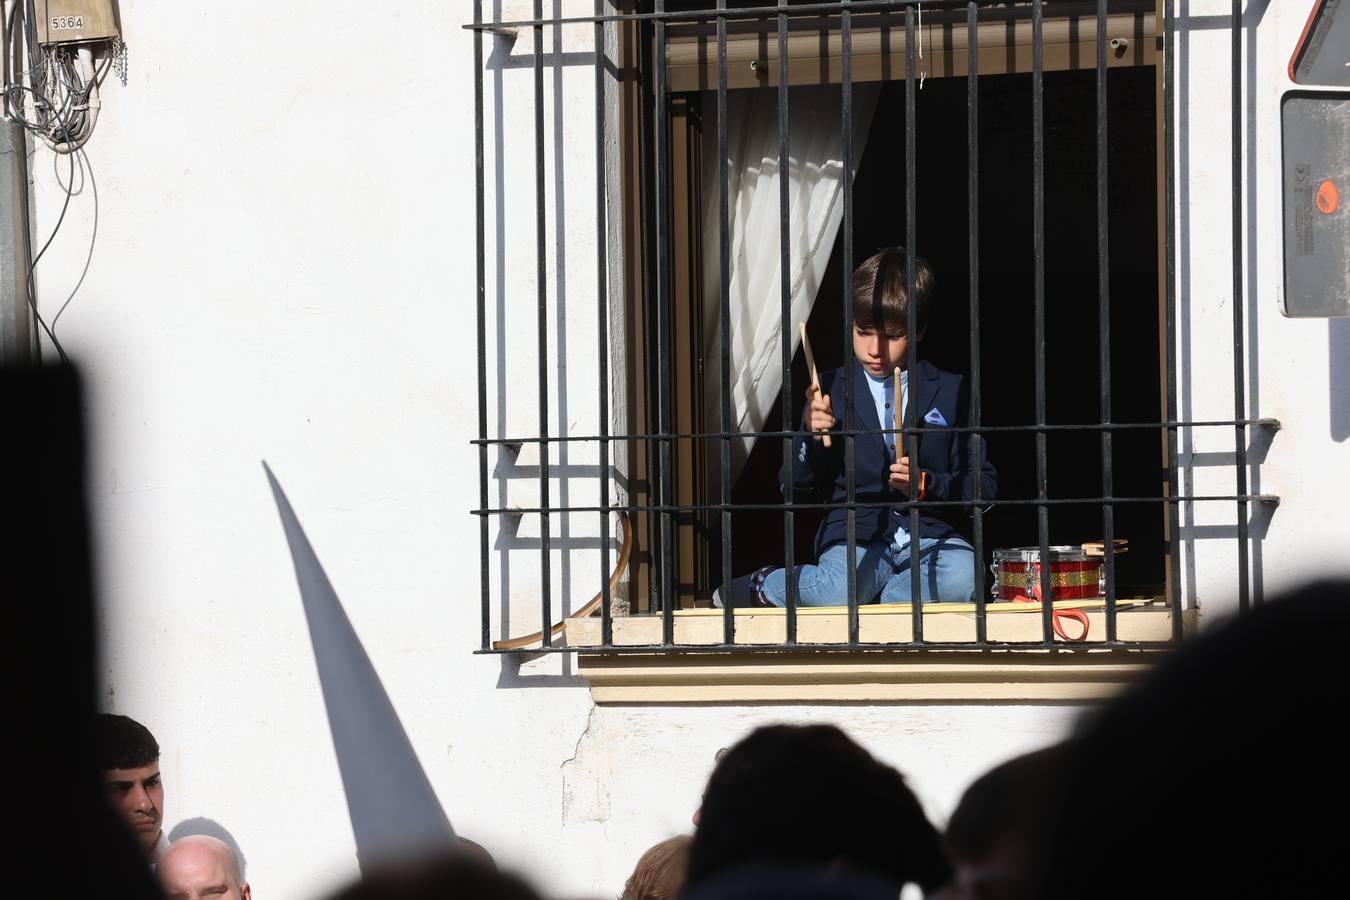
x=55 y=55
x=53 y=69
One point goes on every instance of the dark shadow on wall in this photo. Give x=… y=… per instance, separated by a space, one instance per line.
x=511 y=676
x=68 y=836
x=1251 y=19
x=502 y=46
x=1252 y=15
x=211 y=828
x=560 y=315
x=524 y=350
x=1182 y=259
x=392 y=806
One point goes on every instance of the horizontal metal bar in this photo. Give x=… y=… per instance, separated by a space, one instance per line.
x=1000 y=8
x=1272 y=424
x=742 y=13
x=851 y=648
x=864 y=504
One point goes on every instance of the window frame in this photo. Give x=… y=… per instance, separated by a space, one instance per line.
x=649 y=195
x=1004 y=47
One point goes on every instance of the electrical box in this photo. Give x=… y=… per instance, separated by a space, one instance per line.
x=1316 y=203
x=75 y=21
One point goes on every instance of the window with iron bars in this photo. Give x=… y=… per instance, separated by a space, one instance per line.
x=1019 y=147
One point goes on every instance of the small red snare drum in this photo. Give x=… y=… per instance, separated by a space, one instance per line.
x=1073 y=574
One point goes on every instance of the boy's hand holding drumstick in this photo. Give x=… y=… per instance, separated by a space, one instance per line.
x=818 y=415
x=900 y=468
x=900 y=479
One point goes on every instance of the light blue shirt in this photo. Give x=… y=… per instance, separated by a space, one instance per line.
x=883 y=395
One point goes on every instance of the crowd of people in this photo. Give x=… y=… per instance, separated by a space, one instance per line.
x=1219 y=773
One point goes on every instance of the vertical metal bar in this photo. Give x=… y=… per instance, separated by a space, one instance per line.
x=724 y=299
x=1173 y=509
x=485 y=591
x=1104 y=327
x=851 y=493
x=1038 y=253
x=541 y=278
x=646 y=201
x=973 y=212
x=910 y=439
x=663 y=337
x=785 y=298
x=602 y=325
x=1239 y=365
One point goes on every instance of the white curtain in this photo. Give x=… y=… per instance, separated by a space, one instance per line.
x=815 y=202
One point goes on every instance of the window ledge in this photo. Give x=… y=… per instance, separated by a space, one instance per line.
x=1004 y=675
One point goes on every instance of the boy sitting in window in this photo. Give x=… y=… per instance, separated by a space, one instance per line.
x=883 y=550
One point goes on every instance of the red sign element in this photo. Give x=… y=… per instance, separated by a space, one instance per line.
x=1328 y=198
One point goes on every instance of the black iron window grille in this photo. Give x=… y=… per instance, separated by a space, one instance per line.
x=679 y=509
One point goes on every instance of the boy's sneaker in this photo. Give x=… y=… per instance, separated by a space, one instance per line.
x=745 y=591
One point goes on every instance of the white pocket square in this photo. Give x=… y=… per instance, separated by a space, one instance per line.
x=934 y=417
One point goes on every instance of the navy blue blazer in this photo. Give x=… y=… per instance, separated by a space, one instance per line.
x=944 y=455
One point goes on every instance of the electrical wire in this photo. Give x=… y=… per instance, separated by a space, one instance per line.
x=32 y=291
x=86 y=169
x=52 y=91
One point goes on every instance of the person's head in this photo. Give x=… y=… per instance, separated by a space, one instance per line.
x=477 y=852
x=788 y=881
x=989 y=832
x=128 y=758
x=660 y=872
x=1231 y=750
x=809 y=795
x=453 y=874
x=881 y=304
x=717 y=757
x=199 y=867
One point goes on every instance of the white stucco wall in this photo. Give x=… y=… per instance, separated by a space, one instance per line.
x=284 y=270
x=1297 y=370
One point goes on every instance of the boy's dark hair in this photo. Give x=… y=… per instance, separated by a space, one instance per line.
x=881 y=291
x=123 y=743
x=805 y=795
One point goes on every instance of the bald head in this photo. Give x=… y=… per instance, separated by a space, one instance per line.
x=199 y=867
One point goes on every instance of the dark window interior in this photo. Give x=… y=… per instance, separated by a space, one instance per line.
x=1006 y=303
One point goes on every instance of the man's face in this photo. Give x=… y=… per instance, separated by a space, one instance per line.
x=199 y=874
x=138 y=795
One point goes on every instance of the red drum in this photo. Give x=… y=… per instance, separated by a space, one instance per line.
x=1073 y=574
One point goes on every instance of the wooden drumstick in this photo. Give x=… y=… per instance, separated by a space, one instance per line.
x=899 y=439
x=899 y=396
x=897 y=415
x=811 y=364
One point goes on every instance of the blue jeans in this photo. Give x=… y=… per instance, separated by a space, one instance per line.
x=946 y=573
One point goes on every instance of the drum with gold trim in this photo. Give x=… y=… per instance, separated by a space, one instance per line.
x=1073 y=574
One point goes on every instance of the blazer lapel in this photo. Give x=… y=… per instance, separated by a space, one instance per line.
x=923 y=390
